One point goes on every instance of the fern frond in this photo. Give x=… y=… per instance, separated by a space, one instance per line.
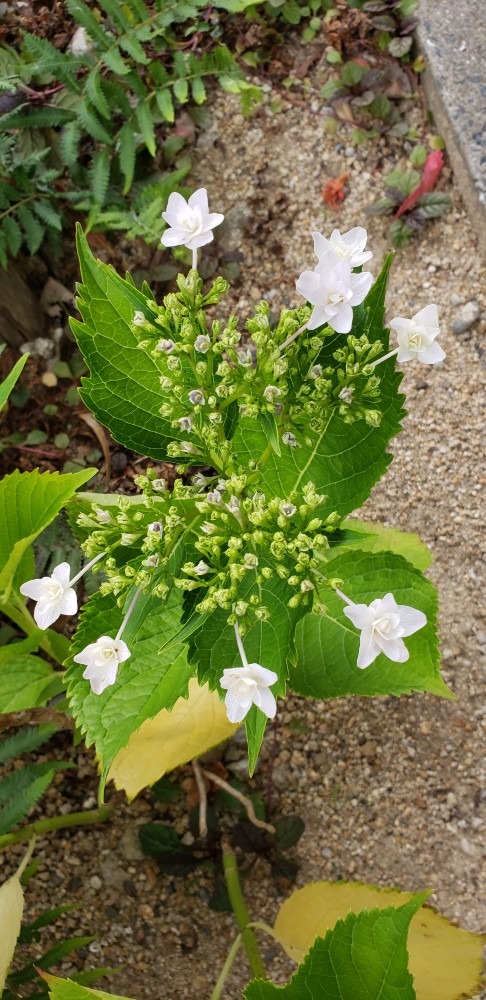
x=24 y=740
x=20 y=790
x=83 y=15
x=99 y=175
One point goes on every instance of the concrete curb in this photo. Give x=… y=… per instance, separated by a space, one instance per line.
x=452 y=36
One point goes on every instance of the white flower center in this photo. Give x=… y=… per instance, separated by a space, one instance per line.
x=192 y=221
x=387 y=625
x=54 y=590
x=107 y=655
x=415 y=341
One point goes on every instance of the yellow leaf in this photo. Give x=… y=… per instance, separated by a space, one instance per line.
x=65 y=989
x=446 y=961
x=11 y=910
x=172 y=738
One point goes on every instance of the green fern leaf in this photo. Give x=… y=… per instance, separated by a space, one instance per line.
x=117 y=98
x=94 y=90
x=119 y=14
x=34 y=231
x=68 y=143
x=146 y=124
x=165 y=104
x=48 y=214
x=92 y=124
x=113 y=60
x=50 y=60
x=179 y=65
x=131 y=45
x=99 y=175
x=181 y=90
x=138 y=9
x=85 y=17
x=127 y=154
x=198 y=90
x=48 y=117
x=24 y=740
x=13 y=234
x=20 y=790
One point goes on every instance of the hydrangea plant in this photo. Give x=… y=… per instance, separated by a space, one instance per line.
x=248 y=573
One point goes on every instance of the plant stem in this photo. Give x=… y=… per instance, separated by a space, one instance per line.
x=237 y=900
x=216 y=994
x=57 y=823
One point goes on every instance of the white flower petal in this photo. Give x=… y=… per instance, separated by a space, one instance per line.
x=411 y=619
x=199 y=199
x=265 y=700
x=342 y=321
x=368 y=648
x=360 y=285
x=321 y=244
x=319 y=317
x=308 y=285
x=236 y=709
x=394 y=649
x=432 y=354
x=428 y=317
x=173 y=238
x=62 y=574
x=46 y=613
x=360 y=615
x=405 y=354
x=68 y=603
x=35 y=588
x=262 y=675
x=194 y=242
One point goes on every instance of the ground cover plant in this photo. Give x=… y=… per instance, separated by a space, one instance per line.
x=248 y=578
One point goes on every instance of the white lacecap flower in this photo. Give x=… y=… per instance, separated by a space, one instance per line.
x=288 y=509
x=333 y=289
x=234 y=505
x=188 y=448
x=250 y=560
x=102 y=659
x=139 y=319
x=306 y=586
x=196 y=396
x=271 y=392
x=201 y=568
x=246 y=686
x=244 y=356
x=53 y=594
x=417 y=337
x=209 y=528
x=383 y=625
x=316 y=371
x=185 y=423
x=346 y=393
x=190 y=222
x=221 y=485
x=151 y=561
x=202 y=343
x=165 y=345
x=199 y=481
x=155 y=526
x=290 y=439
x=159 y=485
x=348 y=246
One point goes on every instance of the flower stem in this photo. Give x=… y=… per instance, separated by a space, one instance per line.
x=237 y=900
x=235 y=947
x=384 y=358
x=85 y=569
x=241 y=648
x=57 y=823
x=294 y=336
x=127 y=616
x=194 y=260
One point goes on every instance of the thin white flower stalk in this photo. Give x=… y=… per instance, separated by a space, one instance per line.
x=54 y=595
x=190 y=223
x=383 y=625
x=103 y=657
x=248 y=685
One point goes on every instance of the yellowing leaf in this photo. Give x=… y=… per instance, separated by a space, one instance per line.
x=65 y=989
x=11 y=910
x=193 y=726
x=445 y=961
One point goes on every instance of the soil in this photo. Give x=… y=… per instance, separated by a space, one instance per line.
x=392 y=791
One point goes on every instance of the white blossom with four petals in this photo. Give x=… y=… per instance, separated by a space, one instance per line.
x=52 y=594
x=348 y=246
x=247 y=686
x=102 y=659
x=417 y=337
x=190 y=222
x=333 y=289
x=383 y=625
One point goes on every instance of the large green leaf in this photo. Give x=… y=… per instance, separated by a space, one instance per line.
x=26 y=681
x=147 y=683
x=345 y=460
x=327 y=646
x=65 y=989
x=364 y=956
x=374 y=537
x=29 y=501
x=123 y=390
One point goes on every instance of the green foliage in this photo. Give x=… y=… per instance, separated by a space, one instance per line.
x=22 y=787
x=8 y=384
x=400 y=185
x=364 y=955
x=75 y=147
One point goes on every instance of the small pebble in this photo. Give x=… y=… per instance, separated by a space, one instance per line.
x=467 y=316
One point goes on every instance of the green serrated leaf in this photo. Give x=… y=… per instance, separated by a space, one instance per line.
x=24 y=741
x=198 y=90
x=127 y=154
x=94 y=90
x=34 y=231
x=99 y=175
x=146 y=125
x=120 y=370
x=13 y=235
x=165 y=104
x=26 y=681
x=20 y=790
x=48 y=214
x=7 y=385
x=327 y=646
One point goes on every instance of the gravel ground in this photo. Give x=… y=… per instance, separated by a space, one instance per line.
x=391 y=789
